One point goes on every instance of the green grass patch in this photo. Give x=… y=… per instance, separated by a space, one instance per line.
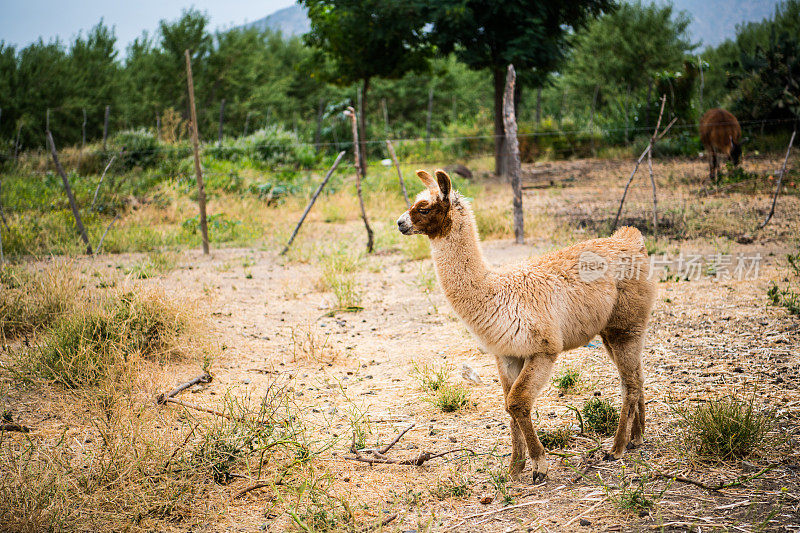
x=600 y=416
x=726 y=428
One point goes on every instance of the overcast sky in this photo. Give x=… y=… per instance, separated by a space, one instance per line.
x=24 y=21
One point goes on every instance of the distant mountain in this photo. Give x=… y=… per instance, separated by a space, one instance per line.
x=713 y=21
x=289 y=21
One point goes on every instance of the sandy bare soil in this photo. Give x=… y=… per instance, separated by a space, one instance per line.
x=708 y=337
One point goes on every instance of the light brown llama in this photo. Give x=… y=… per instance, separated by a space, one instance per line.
x=526 y=314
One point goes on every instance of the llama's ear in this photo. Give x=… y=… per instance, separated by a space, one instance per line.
x=444 y=183
x=428 y=181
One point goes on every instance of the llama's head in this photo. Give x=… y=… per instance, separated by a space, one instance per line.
x=431 y=214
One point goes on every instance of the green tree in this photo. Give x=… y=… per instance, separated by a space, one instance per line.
x=364 y=39
x=490 y=34
x=628 y=48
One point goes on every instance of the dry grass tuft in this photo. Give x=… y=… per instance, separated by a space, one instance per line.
x=31 y=301
x=727 y=428
x=106 y=338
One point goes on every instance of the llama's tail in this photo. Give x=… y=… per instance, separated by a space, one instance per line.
x=630 y=234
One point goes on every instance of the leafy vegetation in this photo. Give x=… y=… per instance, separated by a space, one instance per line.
x=726 y=428
x=600 y=416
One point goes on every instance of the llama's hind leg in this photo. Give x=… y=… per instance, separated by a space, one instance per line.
x=508 y=368
x=626 y=351
x=519 y=401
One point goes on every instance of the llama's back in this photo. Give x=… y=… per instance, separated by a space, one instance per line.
x=718 y=128
x=596 y=284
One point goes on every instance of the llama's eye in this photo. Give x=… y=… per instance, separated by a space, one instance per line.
x=423 y=211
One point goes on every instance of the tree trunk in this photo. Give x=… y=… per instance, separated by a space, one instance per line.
x=510 y=125
x=362 y=125
x=499 y=127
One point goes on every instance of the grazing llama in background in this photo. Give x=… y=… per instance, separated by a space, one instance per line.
x=720 y=134
x=528 y=313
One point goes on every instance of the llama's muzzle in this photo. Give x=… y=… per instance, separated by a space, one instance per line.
x=404 y=224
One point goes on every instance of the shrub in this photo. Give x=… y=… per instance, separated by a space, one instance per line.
x=450 y=397
x=430 y=379
x=567 y=380
x=600 y=416
x=556 y=438
x=726 y=428
x=141 y=148
x=271 y=146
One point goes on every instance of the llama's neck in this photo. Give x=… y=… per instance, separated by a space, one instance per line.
x=460 y=265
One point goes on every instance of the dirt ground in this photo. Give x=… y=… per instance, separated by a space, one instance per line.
x=708 y=337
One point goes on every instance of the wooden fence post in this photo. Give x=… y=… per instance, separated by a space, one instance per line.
x=158 y=125
x=428 y=121
x=68 y=189
x=514 y=170
x=311 y=202
x=246 y=123
x=83 y=130
x=16 y=143
x=399 y=173
x=318 y=131
x=385 y=117
x=201 y=190
x=221 y=121
x=359 y=176
x=105 y=126
x=538 y=106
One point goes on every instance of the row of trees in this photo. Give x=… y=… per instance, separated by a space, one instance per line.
x=578 y=59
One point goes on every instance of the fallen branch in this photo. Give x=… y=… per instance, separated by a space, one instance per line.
x=255 y=486
x=780 y=182
x=386 y=448
x=388 y=520
x=419 y=460
x=496 y=511
x=713 y=488
x=10 y=426
x=162 y=398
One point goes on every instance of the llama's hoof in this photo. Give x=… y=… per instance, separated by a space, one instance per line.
x=631 y=446
x=539 y=477
x=609 y=457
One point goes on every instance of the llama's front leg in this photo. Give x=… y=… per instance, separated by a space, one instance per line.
x=519 y=401
x=508 y=368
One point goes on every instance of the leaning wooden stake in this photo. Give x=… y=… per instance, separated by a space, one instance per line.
x=201 y=189
x=657 y=136
x=514 y=170
x=311 y=202
x=399 y=173
x=359 y=176
x=99 y=183
x=780 y=182
x=67 y=188
x=650 y=166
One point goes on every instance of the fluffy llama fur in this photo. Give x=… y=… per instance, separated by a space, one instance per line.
x=528 y=313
